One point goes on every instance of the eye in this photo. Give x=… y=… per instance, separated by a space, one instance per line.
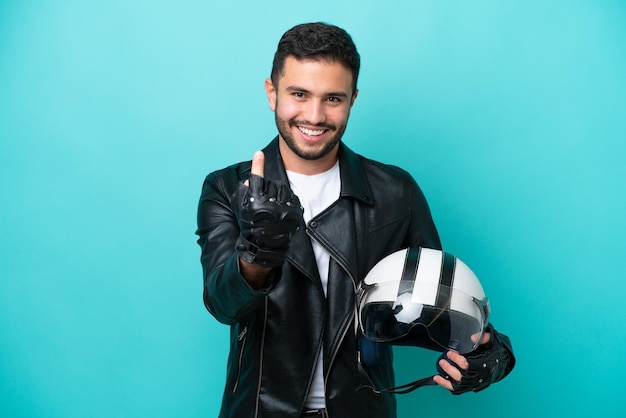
x=298 y=95
x=334 y=99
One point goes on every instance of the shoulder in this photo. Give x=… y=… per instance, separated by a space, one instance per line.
x=388 y=179
x=371 y=168
x=233 y=172
x=384 y=171
x=226 y=180
x=390 y=183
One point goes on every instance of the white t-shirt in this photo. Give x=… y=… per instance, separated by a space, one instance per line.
x=316 y=193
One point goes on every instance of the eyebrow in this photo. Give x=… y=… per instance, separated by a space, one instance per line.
x=294 y=89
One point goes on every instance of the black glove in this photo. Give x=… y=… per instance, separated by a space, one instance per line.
x=269 y=215
x=489 y=363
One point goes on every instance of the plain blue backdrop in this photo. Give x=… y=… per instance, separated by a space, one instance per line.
x=510 y=114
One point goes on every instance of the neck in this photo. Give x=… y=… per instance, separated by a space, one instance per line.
x=299 y=165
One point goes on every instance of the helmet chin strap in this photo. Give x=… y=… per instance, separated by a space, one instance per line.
x=369 y=357
x=399 y=390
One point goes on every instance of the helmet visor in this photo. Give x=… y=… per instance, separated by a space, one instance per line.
x=456 y=323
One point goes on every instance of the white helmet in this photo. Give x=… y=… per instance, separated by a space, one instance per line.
x=423 y=297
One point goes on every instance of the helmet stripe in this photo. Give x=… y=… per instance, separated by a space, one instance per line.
x=407 y=281
x=427 y=278
x=446 y=279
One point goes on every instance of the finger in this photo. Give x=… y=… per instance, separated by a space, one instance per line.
x=460 y=360
x=258 y=164
x=449 y=371
x=483 y=340
x=442 y=382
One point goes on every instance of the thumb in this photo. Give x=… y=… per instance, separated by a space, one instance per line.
x=258 y=163
x=484 y=340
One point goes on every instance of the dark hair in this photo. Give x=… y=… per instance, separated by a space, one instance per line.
x=317 y=41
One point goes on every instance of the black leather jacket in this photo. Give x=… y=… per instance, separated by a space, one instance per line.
x=277 y=332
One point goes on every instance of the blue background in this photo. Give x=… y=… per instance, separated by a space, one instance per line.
x=510 y=114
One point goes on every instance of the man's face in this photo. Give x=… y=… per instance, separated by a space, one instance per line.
x=312 y=104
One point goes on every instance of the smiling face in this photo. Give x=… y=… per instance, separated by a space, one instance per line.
x=312 y=103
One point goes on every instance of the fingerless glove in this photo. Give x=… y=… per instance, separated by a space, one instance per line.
x=489 y=363
x=268 y=216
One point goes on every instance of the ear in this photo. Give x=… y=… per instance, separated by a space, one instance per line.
x=271 y=93
x=356 y=93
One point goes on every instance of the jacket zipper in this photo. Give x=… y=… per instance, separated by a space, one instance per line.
x=345 y=331
x=352 y=279
x=346 y=328
x=242 y=339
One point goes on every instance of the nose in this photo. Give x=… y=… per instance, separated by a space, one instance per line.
x=314 y=112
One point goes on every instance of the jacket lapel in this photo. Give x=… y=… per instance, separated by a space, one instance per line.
x=336 y=226
x=336 y=230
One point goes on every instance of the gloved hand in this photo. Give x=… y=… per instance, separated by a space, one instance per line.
x=268 y=216
x=487 y=364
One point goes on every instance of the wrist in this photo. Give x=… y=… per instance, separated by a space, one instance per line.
x=252 y=253
x=254 y=274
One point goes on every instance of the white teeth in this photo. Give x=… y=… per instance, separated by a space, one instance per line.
x=311 y=132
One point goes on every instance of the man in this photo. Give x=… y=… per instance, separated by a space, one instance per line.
x=287 y=237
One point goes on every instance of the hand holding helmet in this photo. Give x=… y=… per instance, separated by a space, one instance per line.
x=474 y=371
x=428 y=298
x=269 y=215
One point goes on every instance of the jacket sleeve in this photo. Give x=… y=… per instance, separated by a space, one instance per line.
x=508 y=358
x=227 y=295
x=422 y=230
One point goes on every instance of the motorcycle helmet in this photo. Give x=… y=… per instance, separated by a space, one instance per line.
x=423 y=297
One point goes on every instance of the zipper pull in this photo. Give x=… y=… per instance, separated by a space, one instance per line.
x=243 y=333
